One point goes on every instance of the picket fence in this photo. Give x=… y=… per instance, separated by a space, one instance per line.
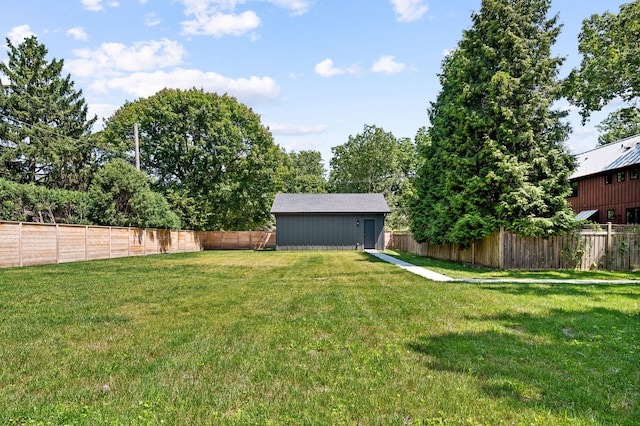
x=26 y=243
x=606 y=247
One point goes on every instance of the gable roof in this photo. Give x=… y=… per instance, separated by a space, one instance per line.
x=329 y=203
x=616 y=155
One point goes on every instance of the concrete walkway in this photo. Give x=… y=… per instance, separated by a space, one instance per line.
x=434 y=276
x=418 y=270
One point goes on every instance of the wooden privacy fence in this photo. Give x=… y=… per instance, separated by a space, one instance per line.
x=24 y=244
x=238 y=240
x=611 y=248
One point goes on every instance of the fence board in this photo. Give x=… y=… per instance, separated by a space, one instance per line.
x=24 y=244
x=583 y=249
x=98 y=243
x=38 y=244
x=71 y=243
x=10 y=244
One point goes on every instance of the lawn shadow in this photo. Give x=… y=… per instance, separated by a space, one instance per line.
x=577 y=363
x=562 y=289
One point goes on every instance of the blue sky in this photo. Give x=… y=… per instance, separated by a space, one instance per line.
x=316 y=71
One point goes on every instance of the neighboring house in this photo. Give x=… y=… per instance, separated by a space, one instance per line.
x=606 y=183
x=329 y=221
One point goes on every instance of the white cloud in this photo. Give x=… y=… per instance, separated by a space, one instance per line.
x=326 y=69
x=142 y=84
x=409 y=10
x=221 y=24
x=583 y=139
x=219 y=18
x=297 y=7
x=111 y=59
x=151 y=20
x=93 y=5
x=296 y=129
x=447 y=52
x=387 y=64
x=78 y=33
x=103 y=111
x=96 y=5
x=17 y=34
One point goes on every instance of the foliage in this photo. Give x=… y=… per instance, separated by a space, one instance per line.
x=316 y=338
x=44 y=131
x=209 y=154
x=120 y=195
x=496 y=155
x=306 y=173
x=609 y=68
x=374 y=161
x=620 y=124
x=32 y=203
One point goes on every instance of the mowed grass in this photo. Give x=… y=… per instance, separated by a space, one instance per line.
x=462 y=270
x=309 y=338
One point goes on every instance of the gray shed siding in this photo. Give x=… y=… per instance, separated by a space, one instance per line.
x=326 y=231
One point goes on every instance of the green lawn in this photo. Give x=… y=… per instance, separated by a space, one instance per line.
x=461 y=270
x=309 y=338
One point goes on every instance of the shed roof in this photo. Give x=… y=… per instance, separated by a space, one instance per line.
x=330 y=203
x=616 y=155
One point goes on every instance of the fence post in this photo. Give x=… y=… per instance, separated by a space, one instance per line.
x=20 y=244
x=57 y=244
x=607 y=249
x=501 y=249
x=473 y=253
x=86 y=242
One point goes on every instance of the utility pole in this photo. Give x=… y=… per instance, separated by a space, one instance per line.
x=137 y=145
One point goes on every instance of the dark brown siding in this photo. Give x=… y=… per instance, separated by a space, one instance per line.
x=593 y=194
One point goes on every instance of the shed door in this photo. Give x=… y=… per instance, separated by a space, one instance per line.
x=369 y=234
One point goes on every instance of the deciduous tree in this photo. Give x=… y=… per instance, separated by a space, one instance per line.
x=620 y=124
x=374 y=161
x=306 y=173
x=211 y=156
x=610 y=65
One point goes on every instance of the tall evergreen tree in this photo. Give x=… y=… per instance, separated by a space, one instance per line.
x=497 y=155
x=44 y=131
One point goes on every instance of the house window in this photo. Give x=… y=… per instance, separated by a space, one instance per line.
x=611 y=215
x=633 y=174
x=621 y=176
x=574 y=188
x=608 y=179
x=633 y=216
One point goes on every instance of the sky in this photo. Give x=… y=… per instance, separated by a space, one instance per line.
x=315 y=71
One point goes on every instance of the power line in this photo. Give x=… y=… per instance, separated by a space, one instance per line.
x=44 y=128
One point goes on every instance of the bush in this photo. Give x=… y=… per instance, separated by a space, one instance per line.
x=120 y=195
x=32 y=203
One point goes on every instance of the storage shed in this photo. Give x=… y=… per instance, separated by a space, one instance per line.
x=329 y=221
